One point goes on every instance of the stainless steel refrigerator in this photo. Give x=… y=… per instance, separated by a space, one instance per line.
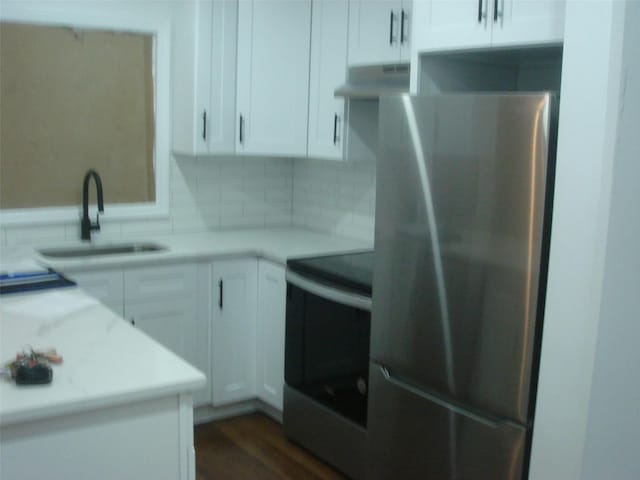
x=463 y=207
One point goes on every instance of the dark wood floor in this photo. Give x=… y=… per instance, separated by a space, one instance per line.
x=253 y=447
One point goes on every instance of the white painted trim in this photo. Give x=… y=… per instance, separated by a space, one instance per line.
x=116 y=16
x=187 y=451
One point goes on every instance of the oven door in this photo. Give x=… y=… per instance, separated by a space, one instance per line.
x=327 y=346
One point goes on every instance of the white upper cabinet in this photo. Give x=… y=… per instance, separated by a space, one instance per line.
x=379 y=31
x=450 y=24
x=521 y=22
x=273 y=76
x=204 y=76
x=462 y=24
x=327 y=72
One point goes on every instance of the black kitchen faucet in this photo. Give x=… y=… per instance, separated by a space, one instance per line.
x=85 y=224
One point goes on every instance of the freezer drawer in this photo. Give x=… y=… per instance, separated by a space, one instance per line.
x=413 y=437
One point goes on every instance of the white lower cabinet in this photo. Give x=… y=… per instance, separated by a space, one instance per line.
x=226 y=318
x=174 y=324
x=163 y=302
x=104 y=285
x=233 y=336
x=272 y=290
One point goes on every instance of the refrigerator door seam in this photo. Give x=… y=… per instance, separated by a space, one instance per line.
x=489 y=420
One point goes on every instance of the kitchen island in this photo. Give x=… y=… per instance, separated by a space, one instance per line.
x=119 y=405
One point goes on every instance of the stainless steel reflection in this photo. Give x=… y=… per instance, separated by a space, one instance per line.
x=460 y=233
x=90 y=251
x=460 y=215
x=332 y=294
x=420 y=439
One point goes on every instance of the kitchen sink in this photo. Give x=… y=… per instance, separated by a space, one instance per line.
x=94 y=251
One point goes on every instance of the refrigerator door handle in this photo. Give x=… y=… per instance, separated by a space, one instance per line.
x=490 y=421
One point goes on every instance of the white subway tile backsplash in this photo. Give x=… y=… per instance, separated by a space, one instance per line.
x=156 y=227
x=336 y=197
x=242 y=221
x=34 y=234
x=209 y=193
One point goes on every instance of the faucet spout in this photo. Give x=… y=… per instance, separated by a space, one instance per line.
x=85 y=224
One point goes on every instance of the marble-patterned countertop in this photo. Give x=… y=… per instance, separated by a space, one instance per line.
x=106 y=362
x=278 y=245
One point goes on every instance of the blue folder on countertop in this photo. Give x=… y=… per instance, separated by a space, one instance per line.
x=28 y=281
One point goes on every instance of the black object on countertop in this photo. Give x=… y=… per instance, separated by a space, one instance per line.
x=353 y=271
x=37 y=374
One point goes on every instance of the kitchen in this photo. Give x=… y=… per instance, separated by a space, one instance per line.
x=338 y=199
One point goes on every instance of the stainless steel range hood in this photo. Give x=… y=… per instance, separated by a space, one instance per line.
x=372 y=81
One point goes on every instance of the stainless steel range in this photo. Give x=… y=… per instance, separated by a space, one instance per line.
x=327 y=357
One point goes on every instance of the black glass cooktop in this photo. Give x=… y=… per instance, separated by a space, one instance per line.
x=352 y=271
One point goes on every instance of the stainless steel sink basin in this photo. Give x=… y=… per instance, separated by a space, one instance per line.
x=92 y=251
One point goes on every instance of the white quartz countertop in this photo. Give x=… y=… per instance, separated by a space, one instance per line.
x=106 y=360
x=276 y=245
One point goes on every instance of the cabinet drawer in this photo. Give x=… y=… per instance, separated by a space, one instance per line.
x=106 y=285
x=160 y=282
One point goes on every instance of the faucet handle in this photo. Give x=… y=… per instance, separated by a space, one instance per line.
x=96 y=226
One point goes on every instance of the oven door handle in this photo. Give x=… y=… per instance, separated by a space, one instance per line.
x=329 y=293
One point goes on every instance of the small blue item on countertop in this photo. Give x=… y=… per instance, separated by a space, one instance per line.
x=28 y=281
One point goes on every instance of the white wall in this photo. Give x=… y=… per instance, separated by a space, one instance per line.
x=613 y=430
x=590 y=102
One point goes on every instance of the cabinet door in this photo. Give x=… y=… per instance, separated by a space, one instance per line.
x=174 y=324
x=327 y=72
x=220 y=128
x=449 y=25
x=273 y=76
x=406 y=30
x=165 y=302
x=272 y=290
x=234 y=330
x=522 y=22
x=106 y=286
x=374 y=32
x=204 y=69
x=160 y=282
x=170 y=323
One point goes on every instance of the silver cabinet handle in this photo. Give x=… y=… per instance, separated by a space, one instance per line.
x=241 y=136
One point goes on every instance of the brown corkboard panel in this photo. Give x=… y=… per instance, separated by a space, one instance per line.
x=71 y=100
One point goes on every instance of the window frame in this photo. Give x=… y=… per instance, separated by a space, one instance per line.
x=101 y=16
